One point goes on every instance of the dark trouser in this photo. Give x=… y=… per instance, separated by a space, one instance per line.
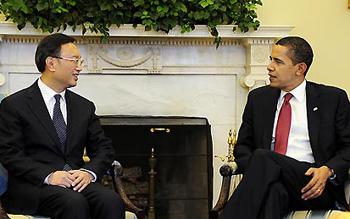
x=95 y=201
x=271 y=187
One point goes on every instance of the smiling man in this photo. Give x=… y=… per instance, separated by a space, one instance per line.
x=43 y=132
x=293 y=146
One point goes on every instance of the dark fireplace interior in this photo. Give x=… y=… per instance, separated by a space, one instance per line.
x=183 y=149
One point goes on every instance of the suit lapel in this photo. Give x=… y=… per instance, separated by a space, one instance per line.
x=71 y=113
x=313 y=113
x=269 y=110
x=39 y=109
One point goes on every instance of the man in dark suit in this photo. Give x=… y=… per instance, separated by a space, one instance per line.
x=293 y=146
x=43 y=132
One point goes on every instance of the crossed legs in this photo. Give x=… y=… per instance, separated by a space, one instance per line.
x=271 y=187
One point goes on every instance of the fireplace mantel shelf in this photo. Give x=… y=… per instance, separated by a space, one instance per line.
x=201 y=31
x=156 y=121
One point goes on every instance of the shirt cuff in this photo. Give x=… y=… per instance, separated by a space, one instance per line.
x=333 y=176
x=92 y=173
x=46 y=181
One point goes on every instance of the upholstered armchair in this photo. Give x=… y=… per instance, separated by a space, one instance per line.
x=115 y=172
x=230 y=180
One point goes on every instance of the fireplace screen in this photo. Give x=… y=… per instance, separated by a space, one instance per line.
x=183 y=150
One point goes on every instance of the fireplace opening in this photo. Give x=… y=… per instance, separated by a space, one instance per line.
x=183 y=150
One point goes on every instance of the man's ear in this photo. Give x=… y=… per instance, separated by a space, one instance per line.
x=50 y=64
x=301 y=69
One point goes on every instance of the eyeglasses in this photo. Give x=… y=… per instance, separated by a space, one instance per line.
x=79 y=62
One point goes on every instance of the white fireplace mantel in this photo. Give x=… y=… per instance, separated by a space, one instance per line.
x=127 y=30
x=156 y=74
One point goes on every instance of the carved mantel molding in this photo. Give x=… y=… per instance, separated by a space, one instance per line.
x=257 y=44
x=257 y=58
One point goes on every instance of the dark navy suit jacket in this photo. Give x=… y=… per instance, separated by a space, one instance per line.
x=328 y=114
x=30 y=148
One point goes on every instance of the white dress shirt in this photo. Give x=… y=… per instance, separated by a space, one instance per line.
x=49 y=98
x=299 y=146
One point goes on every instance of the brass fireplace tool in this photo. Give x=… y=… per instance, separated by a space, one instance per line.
x=229 y=158
x=152 y=174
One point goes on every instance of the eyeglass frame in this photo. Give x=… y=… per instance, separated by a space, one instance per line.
x=79 y=62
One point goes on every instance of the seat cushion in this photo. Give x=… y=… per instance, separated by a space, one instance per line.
x=319 y=214
x=19 y=216
x=128 y=215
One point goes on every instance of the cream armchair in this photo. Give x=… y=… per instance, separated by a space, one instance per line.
x=231 y=180
x=115 y=172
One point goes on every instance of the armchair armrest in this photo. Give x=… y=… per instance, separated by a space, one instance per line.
x=226 y=171
x=3 y=187
x=3 y=214
x=347 y=192
x=116 y=171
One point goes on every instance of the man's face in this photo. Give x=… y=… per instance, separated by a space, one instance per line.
x=283 y=73
x=66 y=69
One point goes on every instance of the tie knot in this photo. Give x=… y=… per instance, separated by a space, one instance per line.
x=57 y=97
x=287 y=97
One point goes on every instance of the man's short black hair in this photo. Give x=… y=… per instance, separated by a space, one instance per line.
x=50 y=46
x=299 y=50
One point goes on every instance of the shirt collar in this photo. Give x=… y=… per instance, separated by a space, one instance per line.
x=299 y=92
x=47 y=92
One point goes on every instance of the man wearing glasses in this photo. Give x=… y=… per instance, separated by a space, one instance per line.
x=43 y=132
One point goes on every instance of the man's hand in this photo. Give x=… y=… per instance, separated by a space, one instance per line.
x=61 y=178
x=81 y=179
x=317 y=183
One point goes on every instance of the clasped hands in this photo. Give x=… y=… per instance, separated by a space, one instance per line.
x=317 y=183
x=75 y=179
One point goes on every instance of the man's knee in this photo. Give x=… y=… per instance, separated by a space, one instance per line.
x=107 y=204
x=112 y=200
x=264 y=159
x=58 y=202
x=278 y=187
x=76 y=201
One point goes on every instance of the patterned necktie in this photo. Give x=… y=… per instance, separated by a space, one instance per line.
x=283 y=125
x=59 y=123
